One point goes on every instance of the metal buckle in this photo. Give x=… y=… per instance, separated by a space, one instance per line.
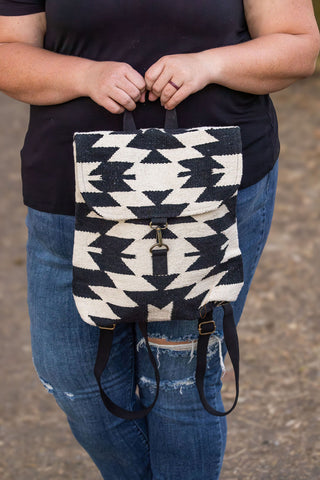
x=159 y=243
x=203 y=323
x=158 y=226
x=112 y=327
x=219 y=304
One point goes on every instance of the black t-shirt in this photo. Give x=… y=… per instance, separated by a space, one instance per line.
x=137 y=32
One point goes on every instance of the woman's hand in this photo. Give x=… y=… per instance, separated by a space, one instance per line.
x=115 y=86
x=34 y=75
x=284 y=47
x=187 y=72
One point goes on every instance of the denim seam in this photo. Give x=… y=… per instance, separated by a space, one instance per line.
x=220 y=419
x=134 y=423
x=141 y=435
x=219 y=442
x=262 y=231
x=132 y=387
x=132 y=394
x=258 y=251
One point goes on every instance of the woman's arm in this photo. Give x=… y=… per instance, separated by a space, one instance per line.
x=284 y=48
x=37 y=76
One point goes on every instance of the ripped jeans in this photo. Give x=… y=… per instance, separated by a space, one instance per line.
x=179 y=439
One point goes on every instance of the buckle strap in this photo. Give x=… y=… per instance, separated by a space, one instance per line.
x=206 y=328
x=104 y=349
x=232 y=344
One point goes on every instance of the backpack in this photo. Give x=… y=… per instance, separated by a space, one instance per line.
x=156 y=235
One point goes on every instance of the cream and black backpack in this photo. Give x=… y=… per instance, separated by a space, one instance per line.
x=156 y=235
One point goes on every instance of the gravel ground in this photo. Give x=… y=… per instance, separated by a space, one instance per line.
x=274 y=432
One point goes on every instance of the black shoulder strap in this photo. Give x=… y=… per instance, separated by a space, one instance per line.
x=232 y=344
x=104 y=349
x=205 y=330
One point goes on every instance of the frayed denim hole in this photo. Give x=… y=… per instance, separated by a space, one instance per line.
x=214 y=362
x=179 y=349
x=167 y=385
x=49 y=388
x=190 y=336
x=176 y=385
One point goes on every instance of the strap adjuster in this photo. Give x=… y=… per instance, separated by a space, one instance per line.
x=206 y=328
x=110 y=327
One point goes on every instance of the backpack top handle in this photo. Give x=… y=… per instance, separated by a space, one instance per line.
x=170 y=122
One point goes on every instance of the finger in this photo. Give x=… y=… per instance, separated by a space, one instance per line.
x=168 y=91
x=131 y=89
x=123 y=99
x=142 y=97
x=112 y=106
x=152 y=97
x=161 y=82
x=134 y=77
x=153 y=73
x=178 y=97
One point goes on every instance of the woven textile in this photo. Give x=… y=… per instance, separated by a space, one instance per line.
x=129 y=183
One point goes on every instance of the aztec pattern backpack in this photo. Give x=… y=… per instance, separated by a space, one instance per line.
x=156 y=235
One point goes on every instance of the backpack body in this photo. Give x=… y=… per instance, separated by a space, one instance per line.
x=156 y=233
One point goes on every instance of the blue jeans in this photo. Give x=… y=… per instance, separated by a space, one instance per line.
x=178 y=439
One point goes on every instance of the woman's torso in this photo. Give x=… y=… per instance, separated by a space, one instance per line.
x=139 y=33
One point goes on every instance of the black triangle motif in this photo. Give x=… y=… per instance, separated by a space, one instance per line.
x=165 y=211
x=160 y=282
x=155 y=157
x=102 y=199
x=158 y=196
x=154 y=138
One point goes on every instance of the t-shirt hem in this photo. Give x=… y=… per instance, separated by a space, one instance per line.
x=41 y=207
x=248 y=183
x=16 y=10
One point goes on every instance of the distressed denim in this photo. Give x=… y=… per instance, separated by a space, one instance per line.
x=179 y=439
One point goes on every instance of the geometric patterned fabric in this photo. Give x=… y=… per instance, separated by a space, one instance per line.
x=156 y=233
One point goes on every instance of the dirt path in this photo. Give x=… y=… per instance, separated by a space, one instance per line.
x=274 y=432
